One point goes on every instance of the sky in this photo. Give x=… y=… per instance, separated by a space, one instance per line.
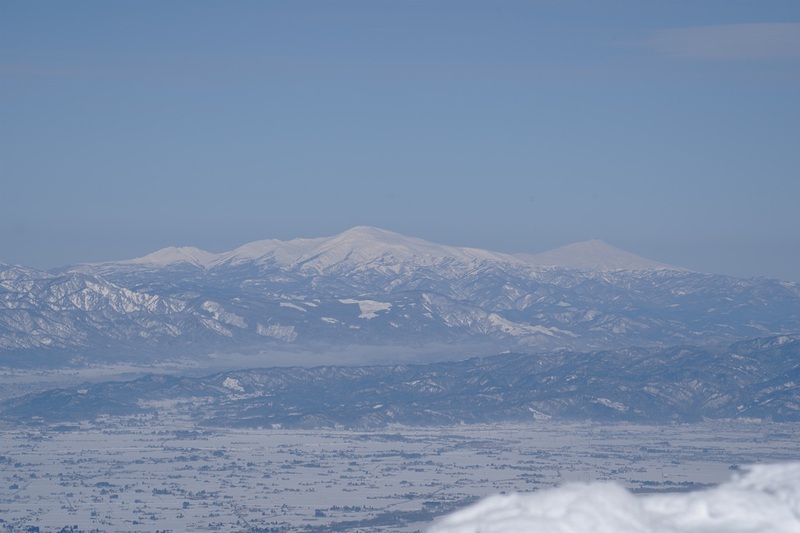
x=669 y=129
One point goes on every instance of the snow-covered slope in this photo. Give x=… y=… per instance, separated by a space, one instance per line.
x=763 y=498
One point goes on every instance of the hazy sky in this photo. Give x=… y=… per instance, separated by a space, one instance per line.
x=670 y=129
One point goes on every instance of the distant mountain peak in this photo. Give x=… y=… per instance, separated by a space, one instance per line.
x=174 y=254
x=594 y=254
x=368 y=236
x=363 y=244
x=372 y=232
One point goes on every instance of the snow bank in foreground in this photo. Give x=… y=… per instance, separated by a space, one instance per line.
x=762 y=499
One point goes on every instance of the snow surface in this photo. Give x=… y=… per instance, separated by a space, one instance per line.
x=233 y=384
x=763 y=499
x=369 y=308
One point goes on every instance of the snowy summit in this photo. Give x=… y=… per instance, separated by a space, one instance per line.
x=365 y=244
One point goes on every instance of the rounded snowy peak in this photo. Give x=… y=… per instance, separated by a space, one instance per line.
x=174 y=254
x=593 y=255
x=365 y=243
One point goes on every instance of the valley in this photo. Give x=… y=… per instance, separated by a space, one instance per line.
x=163 y=472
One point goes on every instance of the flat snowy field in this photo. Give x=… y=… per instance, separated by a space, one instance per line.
x=146 y=473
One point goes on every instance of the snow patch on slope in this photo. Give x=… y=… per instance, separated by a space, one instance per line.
x=218 y=313
x=293 y=306
x=233 y=384
x=765 y=498
x=277 y=331
x=369 y=308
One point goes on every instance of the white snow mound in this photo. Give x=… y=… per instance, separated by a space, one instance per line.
x=763 y=499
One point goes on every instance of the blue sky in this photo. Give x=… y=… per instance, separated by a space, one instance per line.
x=670 y=129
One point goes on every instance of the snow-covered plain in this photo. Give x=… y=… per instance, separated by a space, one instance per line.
x=144 y=473
x=763 y=498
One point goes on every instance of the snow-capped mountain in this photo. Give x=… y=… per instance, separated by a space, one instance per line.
x=368 y=286
x=357 y=246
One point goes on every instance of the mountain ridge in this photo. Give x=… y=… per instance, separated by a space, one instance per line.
x=370 y=242
x=753 y=379
x=370 y=287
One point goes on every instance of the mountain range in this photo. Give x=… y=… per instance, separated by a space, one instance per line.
x=373 y=287
x=755 y=379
